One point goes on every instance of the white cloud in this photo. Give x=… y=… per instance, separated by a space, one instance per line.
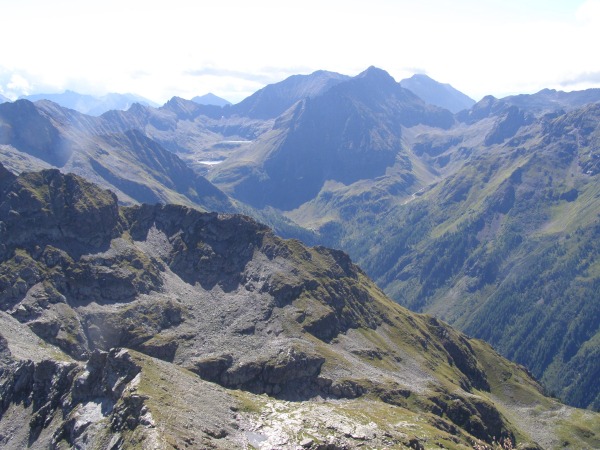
x=18 y=83
x=13 y=85
x=589 y=12
x=159 y=49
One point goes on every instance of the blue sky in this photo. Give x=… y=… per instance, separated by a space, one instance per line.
x=159 y=49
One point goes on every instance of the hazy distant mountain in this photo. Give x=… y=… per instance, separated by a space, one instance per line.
x=439 y=94
x=3 y=99
x=350 y=132
x=89 y=104
x=552 y=100
x=548 y=100
x=274 y=99
x=542 y=102
x=211 y=99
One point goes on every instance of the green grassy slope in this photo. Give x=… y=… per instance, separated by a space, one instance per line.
x=506 y=248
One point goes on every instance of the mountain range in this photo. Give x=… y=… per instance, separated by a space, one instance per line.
x=384 y=211
x=136 y=167
x=350 y=132
x=90 y=104
x=486 y=218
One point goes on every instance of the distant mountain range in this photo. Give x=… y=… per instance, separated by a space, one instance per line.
x=3 y=99
x=486 y=218
x=544 y=101
x=92 y=105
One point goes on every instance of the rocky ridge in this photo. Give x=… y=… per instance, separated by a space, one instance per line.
x=165 y=327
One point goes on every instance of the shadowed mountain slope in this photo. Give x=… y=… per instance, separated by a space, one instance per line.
x=135 y=166
x=89 y=104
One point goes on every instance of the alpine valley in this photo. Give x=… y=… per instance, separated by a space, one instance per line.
x=143 y=303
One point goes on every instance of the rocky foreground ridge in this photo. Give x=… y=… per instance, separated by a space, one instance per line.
x=165 y=327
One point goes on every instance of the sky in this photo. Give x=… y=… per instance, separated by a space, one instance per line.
x=232 y=48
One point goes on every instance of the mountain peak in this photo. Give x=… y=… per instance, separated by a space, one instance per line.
x=376 y=73
x=137 y=107
x=421 y=76
x=274 y=99
x=176 y=101
x=185 y=109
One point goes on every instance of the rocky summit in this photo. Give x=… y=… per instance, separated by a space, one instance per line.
x=160 y=326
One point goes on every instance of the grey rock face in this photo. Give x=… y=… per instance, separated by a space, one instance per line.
x=48 y=207
x=55 y=393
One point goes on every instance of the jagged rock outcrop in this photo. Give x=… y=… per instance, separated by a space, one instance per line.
x=67 y=401
x=48 y=207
